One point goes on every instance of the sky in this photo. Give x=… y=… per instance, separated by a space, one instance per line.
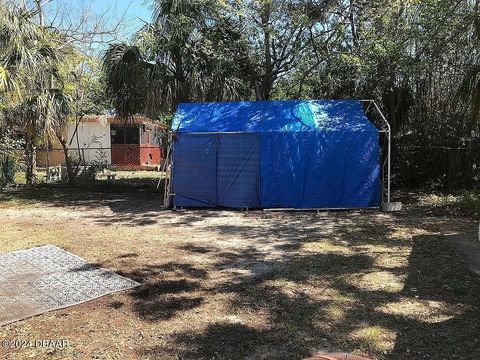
x=135 y=12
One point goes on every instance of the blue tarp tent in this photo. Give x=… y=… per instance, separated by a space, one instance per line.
x=275 y=154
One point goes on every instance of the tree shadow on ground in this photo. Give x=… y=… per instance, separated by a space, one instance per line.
x=331 y=307
x=438 y=274
x=308 y=278
x=304 y=273
x=126 y=205
x=161 y=297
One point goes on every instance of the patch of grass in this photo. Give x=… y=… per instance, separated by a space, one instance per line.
x=52 y=194
x=464 y=203
x=127 y=182
x=328 y=247
x=375 y=337
x=20 y=178
x=134 y=178
x=130 y=179
x=126 y=174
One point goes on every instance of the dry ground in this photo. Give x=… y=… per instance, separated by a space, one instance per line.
x=250 y=285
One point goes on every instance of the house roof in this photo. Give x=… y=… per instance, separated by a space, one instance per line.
x=136 y=120
x=266 y=116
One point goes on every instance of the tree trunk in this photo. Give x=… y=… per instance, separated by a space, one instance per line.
x=264 y=87
x=68 y=160
x=353 y=28
x=39 y=5
x=258 y=91
x=30 y=157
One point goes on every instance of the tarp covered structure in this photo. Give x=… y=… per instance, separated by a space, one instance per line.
x=275 y=154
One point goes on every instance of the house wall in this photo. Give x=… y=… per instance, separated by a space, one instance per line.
x=150 y=155
x=90 y=134
x=95 y=145
x=53 y=157
x=93 y=138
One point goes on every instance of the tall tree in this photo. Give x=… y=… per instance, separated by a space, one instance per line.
x=32 y=97
x=207 y=50
x=185 y=54
x=282 y=33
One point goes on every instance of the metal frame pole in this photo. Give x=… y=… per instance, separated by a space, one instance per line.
x=389 y=145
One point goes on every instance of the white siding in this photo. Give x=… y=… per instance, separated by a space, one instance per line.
x=90 y=134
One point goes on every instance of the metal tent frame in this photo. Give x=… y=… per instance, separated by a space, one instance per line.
x=387 y=130
x=167 y=171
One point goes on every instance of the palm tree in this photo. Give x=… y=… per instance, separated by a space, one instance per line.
x=172 y=60
x=31 y=94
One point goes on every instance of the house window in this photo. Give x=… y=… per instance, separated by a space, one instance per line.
x=124 y=134
x=144 y=135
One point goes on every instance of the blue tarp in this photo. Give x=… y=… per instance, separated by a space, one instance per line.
x=275 y=154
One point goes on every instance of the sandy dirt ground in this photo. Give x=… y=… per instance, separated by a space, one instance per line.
x=252 y=285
